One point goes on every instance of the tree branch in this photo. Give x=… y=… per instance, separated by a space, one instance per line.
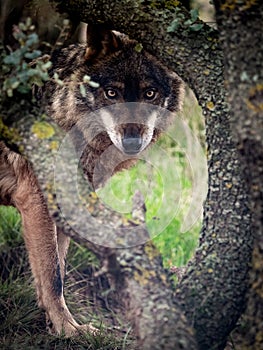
x=214 y=288
x=132 y=264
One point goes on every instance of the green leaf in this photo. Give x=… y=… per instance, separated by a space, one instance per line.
x=31 y=72
x=94 y=84
x=194 y=14
x=33 y=55
x=22 y=26
x=60 y=82
x=23 y=89
x=174 y=26
x=9 y=92
x=82 y=90
x=32 y=39
x=44 y=76
x=57 y=80
x=196 y=27
x=37 y=81
x=45 y=66
x=28 y=22
x=12 y=59
x=188 y=22
x=15 y=84
x=24 y=66
x=86 y=79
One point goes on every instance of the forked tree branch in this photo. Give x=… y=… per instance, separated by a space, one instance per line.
x=213 y=291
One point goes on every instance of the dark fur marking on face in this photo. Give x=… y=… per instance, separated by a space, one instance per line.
x=131 y=90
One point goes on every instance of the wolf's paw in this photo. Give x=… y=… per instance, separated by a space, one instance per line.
x=88 y=328
x=69 y=328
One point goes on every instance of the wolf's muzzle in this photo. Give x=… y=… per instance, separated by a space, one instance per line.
x=131 y=138
x=131 y=145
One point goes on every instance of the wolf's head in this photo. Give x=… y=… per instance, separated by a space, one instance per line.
x=134 y=91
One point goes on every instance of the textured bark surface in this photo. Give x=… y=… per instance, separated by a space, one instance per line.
x=212 y=293
x=244 y=77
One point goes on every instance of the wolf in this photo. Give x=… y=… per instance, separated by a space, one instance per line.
x=120 y=110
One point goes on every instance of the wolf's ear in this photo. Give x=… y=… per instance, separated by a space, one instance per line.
x=100 y=42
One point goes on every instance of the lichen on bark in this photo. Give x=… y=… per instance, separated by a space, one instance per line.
x=241 y=35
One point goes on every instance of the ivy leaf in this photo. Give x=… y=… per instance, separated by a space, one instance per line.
x=173 y=26
x=196 y=27
x=194 y=14
x=60 y=82
x=15 y=84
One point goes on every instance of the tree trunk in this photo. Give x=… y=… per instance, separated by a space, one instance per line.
x=212 y=293
x=241 y=32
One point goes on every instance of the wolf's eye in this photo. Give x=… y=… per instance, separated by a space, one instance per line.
x=150 y=94
x=110 y=93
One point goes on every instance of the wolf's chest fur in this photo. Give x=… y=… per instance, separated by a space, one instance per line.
x=124 y=110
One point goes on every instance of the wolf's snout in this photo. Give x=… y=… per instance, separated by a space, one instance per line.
x=131 y=139
x=132 y=145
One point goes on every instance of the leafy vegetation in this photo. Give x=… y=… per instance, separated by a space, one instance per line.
x=192 y=24
x=23 y=66
x=27 y=65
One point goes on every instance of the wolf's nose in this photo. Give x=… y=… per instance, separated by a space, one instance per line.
x=131 y=145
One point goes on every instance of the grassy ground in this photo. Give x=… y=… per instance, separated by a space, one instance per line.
x=22 y=324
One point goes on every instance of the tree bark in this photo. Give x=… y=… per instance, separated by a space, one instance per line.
x=212 y=293
x=241 y=34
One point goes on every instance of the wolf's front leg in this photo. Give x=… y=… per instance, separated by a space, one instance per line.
x=19 y=187
x=43 y=254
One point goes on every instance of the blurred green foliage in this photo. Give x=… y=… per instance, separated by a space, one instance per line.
x=24 y=66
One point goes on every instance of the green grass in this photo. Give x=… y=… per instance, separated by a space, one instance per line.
x=10 y=223
x=166 y=204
